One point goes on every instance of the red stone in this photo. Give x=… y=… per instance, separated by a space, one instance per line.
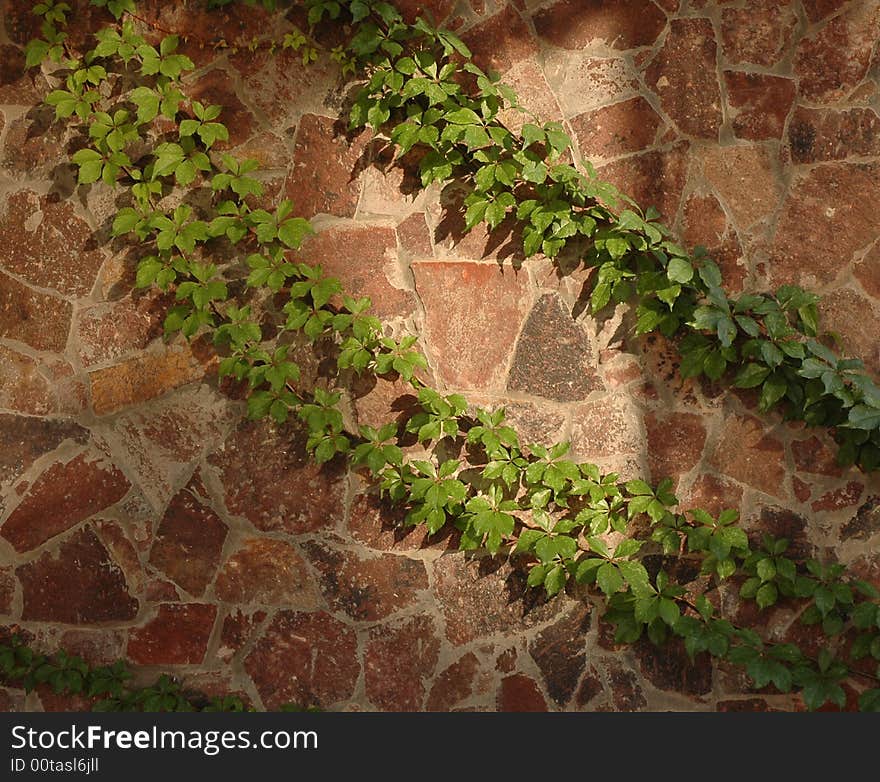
x=675 y=443
x=867 y=272
x=18 y=84
x=743 y=705
x=216 y=87
x=520 y=693
x=501 y=41
x=7 y=590
x=238 y=627
x=97 y=647
x=80 y=584
x=626 y=693
x=606 y=427
x=628 y=126
x=815 y=456
x=454 y=684
x=560 y=653
x=33 y=145
x=830 y=62
x=48 y=245
x=713 y=494
x=414 y=238
x=590 y=687
x=266 y=571
x=745 y=179
x=866 y=521
x=378 y=524
x=831 y=200
x=784 y=523
x=843 y=497
x=669 y=668
x=38 y=320
x=188 y=542
x=110 y=331
x=380 y=400
x=473 y=313
x=760 y=104
x=746 y=452
x=683 y=75
x=398 y=660
x=819 y=9
x=482 y=596
x=853 y=318
x=325 y=166
x=23 y=440
x=802 y=490
x=705 y=224
x=284 y=490
x=178 y=635
x=759 y=33
x=305 y=659
x=367 y=588
x=364 y=259
x=63 y=496
x=819 y=135
x=576 y=25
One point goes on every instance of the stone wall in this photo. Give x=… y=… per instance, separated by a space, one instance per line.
x=142 y=516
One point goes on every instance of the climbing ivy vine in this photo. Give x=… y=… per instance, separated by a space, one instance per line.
x=233 y=266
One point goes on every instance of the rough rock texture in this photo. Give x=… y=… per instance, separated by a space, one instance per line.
x=142 y=515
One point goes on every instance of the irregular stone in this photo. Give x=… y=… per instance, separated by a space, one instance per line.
x=414 y=238
x=856 y=321
x=866 y=523
x=576 y=25
x=398 y=660
x=743 y=705
x=819 y=9
x=501 y=41
x=188 y=542
x=454 y=684
x=714 y=494
x=783 y=523
x=364 y=259
x=820 y=135
x=628 y=126
x=606 y=427
x=675 y=443
x=526 y=78
x=760 y=33
x=705 y=224
x=438 y=10
x=33 y=143
x=802 y=490
x=653 y=178
x=744 y=178
x=378 y=524
x=178 y=635
x=367 y=588
x=473 y=313
x=815 y=456
x=18 y=83
x=480 y=596
x=842 y=497
x=746 y=452
x=583 y=83
x=123 y=550
x=560 y=653
x=590 y=687
x=79 y=584
x=108 y=332
x=23 y=440
x=7 y=590
x=62 y=497
x=378 y=400
x=520 y=693
x=554 y=357
x=670 y=668
x=216 y=88
x=38 y=320
x=48 y=245
x=683 y=75
x=322 y=178
x=760 y=104
x=867 y=272
x=305 y=659
x=836 y=57
x=286 y=490
x=96 y=647
x=267 y=571
x=237 y=630
x=143 y=377
x=625 y=690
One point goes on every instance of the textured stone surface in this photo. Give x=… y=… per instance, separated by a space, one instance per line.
x=23 y=440
x=520 y=693
x=560 y=653
x=819 y=135
x=178 y=635
x=745 y=451
x=38 y=320
x=758 y=33
x=454 y=684
x=629 y=126
x=743 y=177
x=575 y=25
x=759 y=103
x=675 y=443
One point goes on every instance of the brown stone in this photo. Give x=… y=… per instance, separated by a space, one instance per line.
x=783 y=523
x=188 y=542
x=285 y=490
x=482 y=596
x=414 y=238
x=590 y=687
x=380 y=400
x=653 y=178
x=856 y=320
x=367 y=588
x=23 y=440
x=830 y=200
x=501 y=41
x=97 y=647
x=364 y=259
x=520 y=693
x=759 y=33
x=867 y=272
x=675 y=443
x=835 y=58
x=746 y=452
x=305 y=659
x=378 y=524
x=628 y=126
x=178 y=635
x=325 y=166
x=866 y=523
x=18 y=84
x=583 y=83
x=473 y=313
x=534 y=97
x=759 y=103
x=48 y=245
x=535 y=422
x=714 y=494
x=669 y=668
x=819 y=9
x=705 y=224
x=454 y=684
x=398 y=660
x=802 y=490
x=7 y=590
x=33 y=144
x=743 y=705
x=110 y=331
x=576 y=25
x=842 y=497
x=744 y=178
x=80 y=584
x=820 y=135
x=626 y=693
x=267 y=571
x=215 y=87
x=815 y=456
x=38 y=320
x=554 y=357
x=683 y=75
x=143 y=377
x=606 y=427
x=559 y=651
x=63 y=496
x=238 y=627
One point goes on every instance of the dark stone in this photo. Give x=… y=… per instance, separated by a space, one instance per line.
x=670 y=668
x=23 y=440
x=560 y=653
x=865 y=523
